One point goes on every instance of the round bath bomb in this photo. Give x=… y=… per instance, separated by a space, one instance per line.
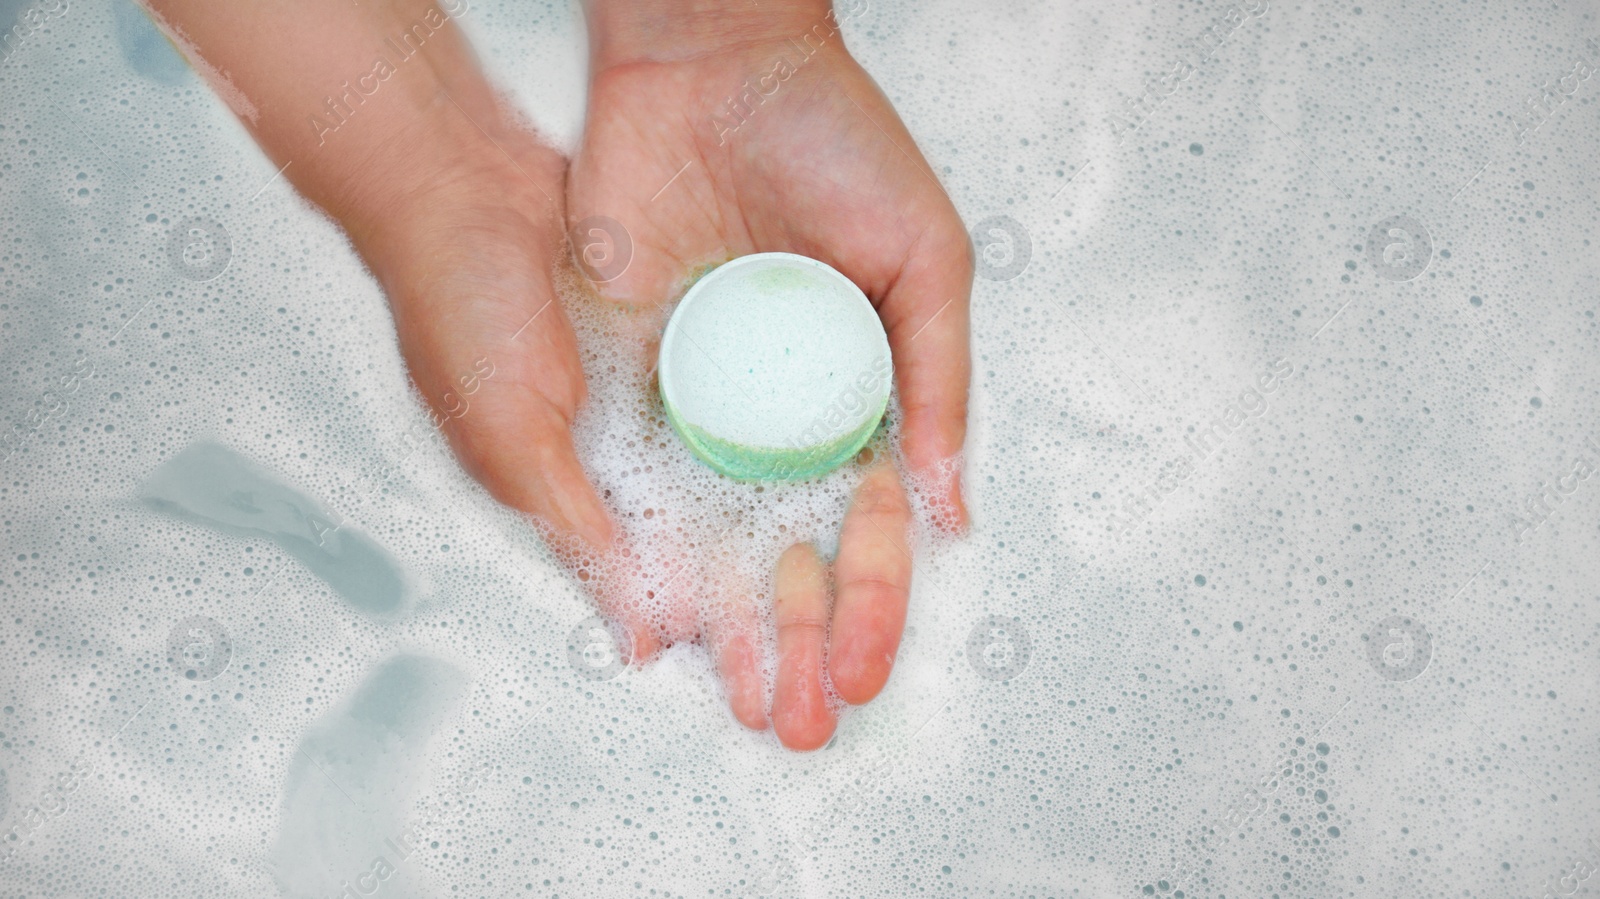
x=775 y=367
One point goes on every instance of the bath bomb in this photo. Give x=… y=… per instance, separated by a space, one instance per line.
x=775 y=367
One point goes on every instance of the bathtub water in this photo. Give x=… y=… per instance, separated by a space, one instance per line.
x=1284 y=428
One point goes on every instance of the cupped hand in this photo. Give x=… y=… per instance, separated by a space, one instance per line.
x=813 y=161
x=459 y=213
x=467 y=248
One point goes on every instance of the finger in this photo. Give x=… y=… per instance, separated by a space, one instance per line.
x=873 y=578
x=519 y=446
x=900 y=239
x=624 y=590
x=926 y=312
x=518 y=443
x=735 y=643
x=800 y=713
x=491 y=350
x=651 y=581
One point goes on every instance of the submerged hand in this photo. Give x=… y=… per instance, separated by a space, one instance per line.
x=460 y=216
x=468 y=259
x=813 y=161
x=458 y=212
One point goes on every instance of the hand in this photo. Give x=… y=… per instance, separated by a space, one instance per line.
x=820 y=166
x=466 y=256
x=457 y=211
x=459 y=215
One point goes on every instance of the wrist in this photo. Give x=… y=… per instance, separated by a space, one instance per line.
x=434 y=175
x=430 y=124
x=632 y=31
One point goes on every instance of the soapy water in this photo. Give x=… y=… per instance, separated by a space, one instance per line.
x=1331 y=638
x=692 y=533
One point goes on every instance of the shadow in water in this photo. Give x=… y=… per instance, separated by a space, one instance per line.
x=213 y=486
x=346 y=822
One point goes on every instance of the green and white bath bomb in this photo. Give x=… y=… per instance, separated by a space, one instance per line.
x=775 y=367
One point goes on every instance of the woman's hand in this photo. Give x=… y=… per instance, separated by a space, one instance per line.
x=378 y=113
x=459 y=214
x=715 y=132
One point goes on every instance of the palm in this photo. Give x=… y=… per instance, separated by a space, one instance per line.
x=809 y=172
x=460 y=214
x=822 y=168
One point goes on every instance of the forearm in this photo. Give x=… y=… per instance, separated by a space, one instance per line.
x=342 y=94
x=628 y=31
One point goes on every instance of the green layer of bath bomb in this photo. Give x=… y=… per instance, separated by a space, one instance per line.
x=775 y=367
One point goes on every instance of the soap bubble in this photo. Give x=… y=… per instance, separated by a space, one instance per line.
x=1399 y=648
x=1002 y=248
x=199 y=248
x=602 y=247
x=594 y=647
x=473 y=779
x=199 y=647
x=1399 y=248
x=998 y=648
x=208 y=779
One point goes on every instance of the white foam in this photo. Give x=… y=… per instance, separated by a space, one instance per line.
x=1170 y=671
x=669 y=506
